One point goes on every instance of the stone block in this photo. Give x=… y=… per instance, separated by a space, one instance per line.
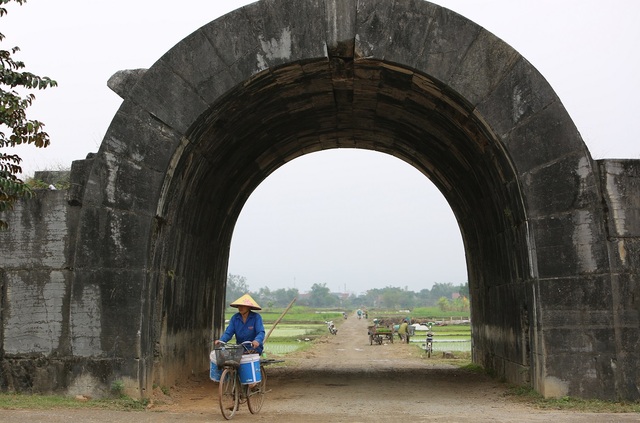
x=625 y=254
x=35 y=312
x=168 y=97
x=477 y=75
x=105 y=312
x=123 y=81
x=522 y=93
x=38 y=234
x=620 y=181
x=543 y=138
x=583 y=375
x=289 y=30
x=132 y=132
x=627 y=299
x=112 y=238
x=80 y=170
x=591 y=339
x=565 y=184
x=583 y=293
x=565 y=244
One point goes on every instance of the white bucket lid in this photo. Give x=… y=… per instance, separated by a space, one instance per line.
x=249 y=358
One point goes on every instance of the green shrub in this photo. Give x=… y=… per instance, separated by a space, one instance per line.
x=117 y=388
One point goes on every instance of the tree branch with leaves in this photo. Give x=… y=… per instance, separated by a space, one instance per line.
x=15 y=127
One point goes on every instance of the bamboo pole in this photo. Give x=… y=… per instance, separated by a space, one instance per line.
x=279 y=318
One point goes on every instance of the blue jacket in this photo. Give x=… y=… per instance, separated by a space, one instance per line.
x=251 y=330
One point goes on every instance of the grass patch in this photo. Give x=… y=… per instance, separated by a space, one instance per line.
x=294 y=332
x=297 y=314
x=472 y=367
x=461 y=359
x=529 y=396
x=48 y=402
x=452 y=330
x=435 y=312
x=282 y=348
x=287 y=338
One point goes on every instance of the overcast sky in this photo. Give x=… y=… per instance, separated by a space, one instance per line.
x=352 y=220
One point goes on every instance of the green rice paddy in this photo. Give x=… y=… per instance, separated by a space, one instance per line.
x=302 y=325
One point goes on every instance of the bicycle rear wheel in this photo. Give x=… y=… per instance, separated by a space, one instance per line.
x=229 y=390
x=255 y=396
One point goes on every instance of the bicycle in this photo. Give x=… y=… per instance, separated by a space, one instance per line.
x=429 y=344
x=332 y=328
x=231 y=391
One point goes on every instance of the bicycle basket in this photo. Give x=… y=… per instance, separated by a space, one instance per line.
x=229 y=355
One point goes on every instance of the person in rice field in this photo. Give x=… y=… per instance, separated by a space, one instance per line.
x=246 y=325
x=403 y=331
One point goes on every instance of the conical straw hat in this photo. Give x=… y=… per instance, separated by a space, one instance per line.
x=246 y=300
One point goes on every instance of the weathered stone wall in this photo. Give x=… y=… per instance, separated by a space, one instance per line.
x=36 y=276
x=47 y=341
x=620 y=180
x=36 y=281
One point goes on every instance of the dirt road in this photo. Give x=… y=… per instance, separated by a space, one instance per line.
x=344 y=379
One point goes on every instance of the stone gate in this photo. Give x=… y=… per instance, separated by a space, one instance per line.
x=122 y=277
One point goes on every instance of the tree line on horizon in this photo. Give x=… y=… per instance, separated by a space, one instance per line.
x=446 y=296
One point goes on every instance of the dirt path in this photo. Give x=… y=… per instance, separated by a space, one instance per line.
x=344 y=379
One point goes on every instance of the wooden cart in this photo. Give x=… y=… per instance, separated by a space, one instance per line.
x=378 y=333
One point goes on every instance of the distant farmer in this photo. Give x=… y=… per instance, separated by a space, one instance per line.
x=403 y=331
x=359 y=313
x=246 y=325
x=411 y=330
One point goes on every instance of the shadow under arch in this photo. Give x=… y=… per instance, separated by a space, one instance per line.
x=247 y=93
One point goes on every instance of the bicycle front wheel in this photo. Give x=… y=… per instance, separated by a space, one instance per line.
x=229 y=390
x=255 y=395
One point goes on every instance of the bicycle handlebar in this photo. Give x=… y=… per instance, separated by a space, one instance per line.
x=242 y=343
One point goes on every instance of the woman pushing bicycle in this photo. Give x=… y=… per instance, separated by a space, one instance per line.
x=246 y=325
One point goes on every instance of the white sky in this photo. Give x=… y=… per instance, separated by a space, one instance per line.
x=353 y=220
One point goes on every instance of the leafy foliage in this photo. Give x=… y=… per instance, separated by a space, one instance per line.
x=320 y=296
x=276 y=298
x=36 y=184
x=458 y=304
x=15 y=128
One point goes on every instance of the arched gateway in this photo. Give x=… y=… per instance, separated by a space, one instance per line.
x=550 y=265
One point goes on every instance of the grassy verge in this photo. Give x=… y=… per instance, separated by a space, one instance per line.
x=529 y=396
x=526 y=395
x=48 y=402
x=290 y=337
x=460 y=359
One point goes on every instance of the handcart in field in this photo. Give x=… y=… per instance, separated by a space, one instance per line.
x=378 y=334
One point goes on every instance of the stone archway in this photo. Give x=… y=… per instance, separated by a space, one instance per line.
x=245 y=94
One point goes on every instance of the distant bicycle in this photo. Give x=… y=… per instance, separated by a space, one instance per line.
x=428 y=346
x=332 y=327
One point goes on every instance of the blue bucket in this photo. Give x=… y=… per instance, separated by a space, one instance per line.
x=214 y=372
x=250 y=369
